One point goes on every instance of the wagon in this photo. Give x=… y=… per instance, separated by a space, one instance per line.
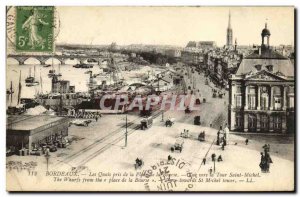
x=201 y=136
x=178 y=145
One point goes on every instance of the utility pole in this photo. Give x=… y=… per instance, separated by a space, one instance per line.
x=47 y=155
x=126 y=132
x=214 y=165
x=126 y=125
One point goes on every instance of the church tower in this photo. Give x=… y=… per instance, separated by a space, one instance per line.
x=229 y=32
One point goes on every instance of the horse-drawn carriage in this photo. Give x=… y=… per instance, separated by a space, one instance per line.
x=220 y=95
x=197 y=120
x=201 y=136
x=170 y=122
x=146 y=123
x=178 y=145
x=138 y=163
x=185 y=134
x=214 y=95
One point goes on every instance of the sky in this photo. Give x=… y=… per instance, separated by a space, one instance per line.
x=173 y=25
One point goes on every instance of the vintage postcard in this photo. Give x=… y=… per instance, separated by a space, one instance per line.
x=150 y=99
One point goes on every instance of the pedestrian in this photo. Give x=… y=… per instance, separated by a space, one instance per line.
x=246 y=141
x=223 y=146
x=204 y=161
x=96 y=118
x=220 y=158
x=210 y=170
x=213 y=157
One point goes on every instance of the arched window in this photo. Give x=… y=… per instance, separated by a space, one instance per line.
x=277 y=123
x=252 y=122
x=264 y=122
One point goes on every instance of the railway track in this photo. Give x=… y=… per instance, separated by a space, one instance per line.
x=131 y=128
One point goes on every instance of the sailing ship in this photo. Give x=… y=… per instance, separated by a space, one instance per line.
x=31 y=81
x=59 y=73
x=51 y=73
x=19 y=108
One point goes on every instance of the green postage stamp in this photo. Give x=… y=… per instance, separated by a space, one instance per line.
x=34 y=28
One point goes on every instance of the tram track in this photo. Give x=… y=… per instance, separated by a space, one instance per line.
x=131 y=127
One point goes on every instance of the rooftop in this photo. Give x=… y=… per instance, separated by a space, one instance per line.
x=28 y=122
x=265 y=54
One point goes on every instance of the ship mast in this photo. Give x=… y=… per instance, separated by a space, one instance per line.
x=41 y=82
x=11 y=93
x=20 y=88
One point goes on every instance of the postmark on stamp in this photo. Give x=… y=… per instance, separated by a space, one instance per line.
x=34 y=28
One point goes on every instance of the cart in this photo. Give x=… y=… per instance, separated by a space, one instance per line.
x=170 y=122
x=138 y=163
x=178 y=145
x=201 y=136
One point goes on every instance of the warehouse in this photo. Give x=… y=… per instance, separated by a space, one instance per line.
x=25 y=131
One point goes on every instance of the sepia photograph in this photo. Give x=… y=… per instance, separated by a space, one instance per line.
x=150 y=98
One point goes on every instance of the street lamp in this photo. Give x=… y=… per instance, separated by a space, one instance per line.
x=47 y=155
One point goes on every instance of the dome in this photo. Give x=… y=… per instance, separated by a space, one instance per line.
x=265 y=31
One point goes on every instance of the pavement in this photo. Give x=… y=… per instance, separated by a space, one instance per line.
x=99 y=149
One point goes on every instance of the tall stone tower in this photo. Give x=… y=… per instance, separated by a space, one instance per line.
x=229 y=33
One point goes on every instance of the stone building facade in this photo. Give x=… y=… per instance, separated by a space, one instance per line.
x=261 y=93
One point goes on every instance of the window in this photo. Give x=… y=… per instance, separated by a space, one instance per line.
x=251 y=90
x=239 y=121
x=252 y=99
x=277 y=103
x=291 y=102
x=264 y=122
x=264 y=101
x=277 y=122
x=238 y=89
x=252 y=122
x=238 y=101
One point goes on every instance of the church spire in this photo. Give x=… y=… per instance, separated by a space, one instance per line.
x=229 y=20
x=229 y=32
